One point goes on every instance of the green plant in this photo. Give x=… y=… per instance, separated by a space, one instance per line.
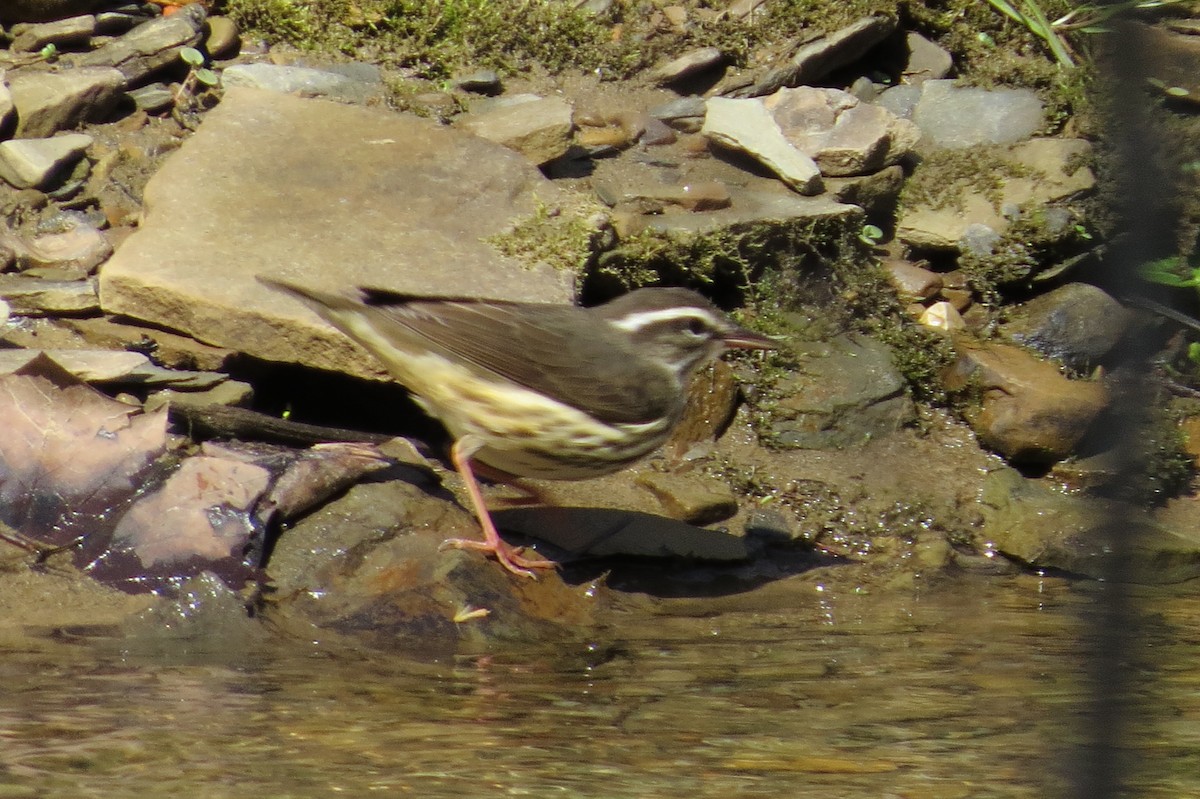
x=870 y=235
x=198 y=74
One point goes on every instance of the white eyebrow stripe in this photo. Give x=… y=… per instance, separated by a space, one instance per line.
x=636 y=321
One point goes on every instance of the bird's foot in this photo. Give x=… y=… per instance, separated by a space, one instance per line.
x=509 y=557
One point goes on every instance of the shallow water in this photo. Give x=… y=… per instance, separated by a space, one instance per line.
x=973 y=687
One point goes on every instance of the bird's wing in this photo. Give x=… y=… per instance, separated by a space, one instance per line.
x=561 y=351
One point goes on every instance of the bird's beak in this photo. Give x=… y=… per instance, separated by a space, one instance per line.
x=739 y=338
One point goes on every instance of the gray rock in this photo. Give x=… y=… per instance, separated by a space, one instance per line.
x=747 y=126
x=900 y=100
x=73 y=30
x=482 y=81
x=956 y=117
x=685 y=113
x=1077 y=324
x=407 y=206
x=816 y=59
x=302 y=81
x=154 y=98
x=926 y=60
x=539 y=128
x=848 y=392
x=35 y=163
x=1028 y=412
x=841 y=134
x=151 y=46
x=47 y=102
x=758 y=210
x=687 y=65
x=224 y=40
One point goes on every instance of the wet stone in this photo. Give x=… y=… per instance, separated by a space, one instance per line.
x=690 y=497
x=223 y=40
x=1077 y=325
x=912 y=282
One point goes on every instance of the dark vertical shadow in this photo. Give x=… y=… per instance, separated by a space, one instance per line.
x=1102 y=767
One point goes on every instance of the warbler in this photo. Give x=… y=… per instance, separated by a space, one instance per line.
x=545 y=391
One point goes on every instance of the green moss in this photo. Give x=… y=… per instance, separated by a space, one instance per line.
x=1030 y=244
x=564 y=237
x=946 y=176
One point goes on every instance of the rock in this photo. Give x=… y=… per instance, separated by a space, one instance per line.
x=47 y=102
x=409 y=208
x=956 y=117
x=151 y=46
x=912 y=282
x=875 y=193
x=482 y=81
x=943 y=316
x=696 y=197
x=540 y=129
x=63 y=33
x=691 y=497
x=368 y=566
x=7 y=109
x=926 y=60
x=1077 y=325
x=170 y=349
x=227 y=393
x=686 y=113
x=688 y=65
x=842 y=135
x=1046 y=529
x=847 y=393
x=1028 y=411
x=31 y=296
x=1045 y=171
x=37 y=163
x=223 y=40
x=154 y=98
x=900 y=100
x=78 y=251
x=816 y=59
x=303 y=81
x=747 y=126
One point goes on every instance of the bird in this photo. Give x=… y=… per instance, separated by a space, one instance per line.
x=537 y=390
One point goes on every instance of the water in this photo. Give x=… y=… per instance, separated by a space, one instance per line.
x=971 y=687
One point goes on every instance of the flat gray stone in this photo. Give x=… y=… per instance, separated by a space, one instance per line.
x=325 y=194
x=34 y=163
x=959 y=116
x=151 y=46
x=539 y=128
x=73 y=30
x=304 y=81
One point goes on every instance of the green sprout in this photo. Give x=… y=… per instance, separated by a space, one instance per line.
x=198 y=74
x=870 y=235
x=48 y=53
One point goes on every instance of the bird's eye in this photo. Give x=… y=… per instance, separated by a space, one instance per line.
x=697 y=327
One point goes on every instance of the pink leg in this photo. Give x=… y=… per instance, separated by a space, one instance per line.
x=510 y=558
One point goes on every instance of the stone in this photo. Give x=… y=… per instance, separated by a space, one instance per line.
x=151 y=46
x=1076 y=324
x=957 y=116
x=748 y=126
x=1043 y=528
x=154 y=98
x=691 y=497
x=169 y=349
x=912 y=282
x=943 y=316
x=62 y=33
x=1028 y=411
x=816 y=59
x=685 y=113
x=7 y=109
x=875 y=193
x=926 y=60
x=848 y=392
x=88 y=365
x=688 y=65
x=36 y=163
x=408 y=207
x=841 y=134
x=47 y=102
x=481 y=81
x=223 y=40
x=539 y=129
x=79 y=250
x=303 y=81
x=1056 y=172
x=31 y=296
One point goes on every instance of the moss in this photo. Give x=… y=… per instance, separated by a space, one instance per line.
x=563 y=237
x=946 y=176
x=1032 y=242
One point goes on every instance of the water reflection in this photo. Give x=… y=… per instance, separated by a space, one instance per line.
x=971 y=688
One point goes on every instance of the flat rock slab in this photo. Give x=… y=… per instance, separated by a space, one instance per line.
x=328 y=195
